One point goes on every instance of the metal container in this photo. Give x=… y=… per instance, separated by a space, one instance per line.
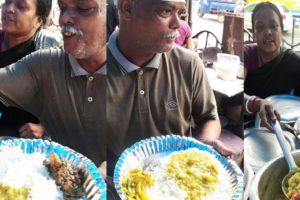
x=264 y=154
x=287 y=106
x=262 y=146
x=248 y=177
x=266 y=184
x=297 y=124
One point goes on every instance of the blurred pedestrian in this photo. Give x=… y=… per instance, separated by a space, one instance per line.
x=22 y=33
x=185 y=35
x=112 y=17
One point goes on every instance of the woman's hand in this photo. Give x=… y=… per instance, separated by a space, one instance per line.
x=265 y=110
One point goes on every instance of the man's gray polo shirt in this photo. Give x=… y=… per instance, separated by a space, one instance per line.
x=160 y=98
x=72 y=108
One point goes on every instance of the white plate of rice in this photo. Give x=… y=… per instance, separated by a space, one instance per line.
x=176 y=168
x=22 y=167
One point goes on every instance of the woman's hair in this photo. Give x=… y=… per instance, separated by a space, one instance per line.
x=266 y=5
x=43 y=8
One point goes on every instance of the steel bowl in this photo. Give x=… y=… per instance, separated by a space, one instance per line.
x=262 y=146
x=287 y=106
x=297 y=124
x=266 y=184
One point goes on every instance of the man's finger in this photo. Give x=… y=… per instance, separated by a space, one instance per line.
x=23 y=128
x=24 y=134
x=222 y=149
x=28 y=134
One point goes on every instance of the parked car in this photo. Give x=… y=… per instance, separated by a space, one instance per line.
x=220 y=7
x=286 y=16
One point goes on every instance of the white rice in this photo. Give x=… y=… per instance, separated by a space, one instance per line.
x=222 y=191
x=27 y=170
x=165 y=187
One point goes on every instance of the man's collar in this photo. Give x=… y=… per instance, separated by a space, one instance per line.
x=125 y=65
x=77 y=70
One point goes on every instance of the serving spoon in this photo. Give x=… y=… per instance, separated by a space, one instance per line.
x=287 y=154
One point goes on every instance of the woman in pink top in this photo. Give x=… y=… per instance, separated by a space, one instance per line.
x=185 y=35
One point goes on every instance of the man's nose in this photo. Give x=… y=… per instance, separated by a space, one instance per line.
x=67 y=17
x=175 y=22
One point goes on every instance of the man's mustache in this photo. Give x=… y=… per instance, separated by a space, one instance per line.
x=71 y=29
x=171 y=35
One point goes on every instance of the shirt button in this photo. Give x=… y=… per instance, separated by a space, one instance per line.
x=90 y=99
x=142 y=92
x=91 y=78
x=141 y=72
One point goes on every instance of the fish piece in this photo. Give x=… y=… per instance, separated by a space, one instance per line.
x=69 y=178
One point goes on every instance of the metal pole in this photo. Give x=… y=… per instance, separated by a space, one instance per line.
x=293 y=32
x=190 y=12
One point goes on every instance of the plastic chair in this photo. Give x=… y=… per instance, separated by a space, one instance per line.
x=209 y=55
x=249 y=36
x=207 y=45
x=209 y=38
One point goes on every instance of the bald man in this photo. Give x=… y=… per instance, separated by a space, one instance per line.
x=65 y=88
x=155 y=87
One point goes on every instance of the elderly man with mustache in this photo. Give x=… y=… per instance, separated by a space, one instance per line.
x=65 y=88
x=154 y=86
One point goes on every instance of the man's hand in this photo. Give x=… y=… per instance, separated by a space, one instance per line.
x=219 y=146
x=265 y=110
x=30 y=130
x=211 y=130
x=102 y=170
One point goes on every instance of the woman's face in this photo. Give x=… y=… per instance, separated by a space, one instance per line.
x=19 y=17
x=267 y=32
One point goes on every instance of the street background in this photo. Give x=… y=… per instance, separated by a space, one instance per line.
x=210 y=22
x=207 y=22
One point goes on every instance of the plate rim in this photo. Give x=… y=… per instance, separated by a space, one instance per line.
x=194 y=144
x=84 y=161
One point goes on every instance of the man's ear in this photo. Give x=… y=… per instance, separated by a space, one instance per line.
x=126 y=9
